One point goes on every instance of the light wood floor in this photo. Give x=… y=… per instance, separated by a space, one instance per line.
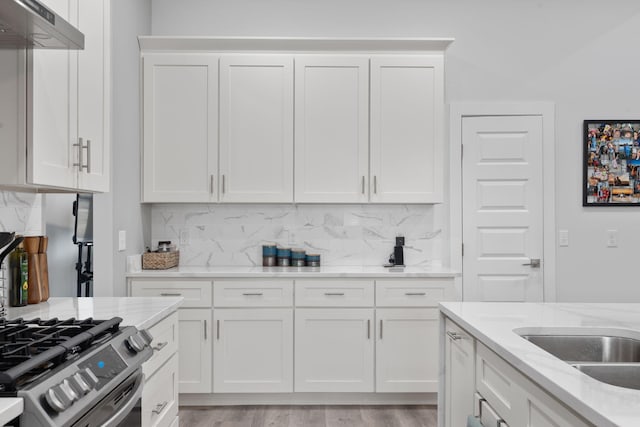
x=309 y=416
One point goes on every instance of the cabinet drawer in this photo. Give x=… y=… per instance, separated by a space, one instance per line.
x=334 y=293
x=164 y=344
x=196 y=293
x=411 y=293
x=253 y=293
x=160 y=396
x=496 y=381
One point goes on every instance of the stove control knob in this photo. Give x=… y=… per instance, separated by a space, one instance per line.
x=79 y=384
x=89 y=377
x=56 y=399
x=134 y=344
x=146 y=336
x=68 y=391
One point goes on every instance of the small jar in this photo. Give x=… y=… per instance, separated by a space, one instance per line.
x=313 y=260
x=284 y=257
x=164 y=246
x=269 y=255
x=298 y=257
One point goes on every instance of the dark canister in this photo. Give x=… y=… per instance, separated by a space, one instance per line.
x=269 y=253
x=313 y=260
x=284 y=257
x=18 y=280
x=298 y=257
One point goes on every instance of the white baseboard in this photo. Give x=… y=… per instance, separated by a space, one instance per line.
x=229 y=399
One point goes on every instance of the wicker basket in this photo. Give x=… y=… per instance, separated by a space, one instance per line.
x=160 y=260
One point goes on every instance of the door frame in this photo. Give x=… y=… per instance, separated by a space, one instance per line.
x=457 y=112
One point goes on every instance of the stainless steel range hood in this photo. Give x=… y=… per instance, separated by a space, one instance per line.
x=27 y=23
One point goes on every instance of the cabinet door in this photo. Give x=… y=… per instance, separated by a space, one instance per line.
x=53 y=112
x=459 y=375
x=253 y=351
x=180 y=127
x=331 y=129
x=407 y=105
x=407 y=350
x=334 y=350
x=194 y=332
x=256 y=128
x=94 y=98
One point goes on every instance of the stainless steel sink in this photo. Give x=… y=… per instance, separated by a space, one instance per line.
x=621 y=375
x=589 y=348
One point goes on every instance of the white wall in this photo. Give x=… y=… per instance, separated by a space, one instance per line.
x=120 y=209
x=581 y=55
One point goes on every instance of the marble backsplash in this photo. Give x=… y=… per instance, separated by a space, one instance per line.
x=21 y=212
x=233 y=235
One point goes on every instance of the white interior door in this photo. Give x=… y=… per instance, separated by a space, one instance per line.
x=502 y=206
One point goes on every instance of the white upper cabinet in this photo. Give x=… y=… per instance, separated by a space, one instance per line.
x=63 y=106
x=331 y=128
x=407 y=103
x=256 y=128
x=53 y=110
x=180 y=146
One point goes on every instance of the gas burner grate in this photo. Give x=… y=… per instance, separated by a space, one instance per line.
x=30 y=348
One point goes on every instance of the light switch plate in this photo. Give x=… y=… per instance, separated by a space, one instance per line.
x=184 y=237
x=612 y=238
x=122 y=240
x=563 y=237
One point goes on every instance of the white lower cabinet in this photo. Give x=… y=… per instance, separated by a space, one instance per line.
x=194 y=330
x=253 y=350
x=159 y=405
x=334 y=350
x=407 y=350
x=459 y=353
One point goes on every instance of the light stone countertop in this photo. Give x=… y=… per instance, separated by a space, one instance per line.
x=134 y=311
x=298 y=272
x=494 y=323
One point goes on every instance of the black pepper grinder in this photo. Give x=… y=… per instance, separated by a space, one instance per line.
x=398 y=251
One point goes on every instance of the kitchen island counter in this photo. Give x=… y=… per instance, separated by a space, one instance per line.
x=493 y=324
x=138 y=312
x=298 y=272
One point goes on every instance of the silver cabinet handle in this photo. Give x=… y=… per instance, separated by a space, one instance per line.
x=160 y=346
x=533 y=262
x=218 y=329
x=224 y=184
x=362 y=184
x=205 y=329
x=160 y=407
x=415 y=293
x=380 y=328
x=368 y=329
x=80 y=147
x=88 y=165
x=375 y=184
x=253 y=294
x=167 y=294
x=454 y=335
x=338 y=294
x=211 y=185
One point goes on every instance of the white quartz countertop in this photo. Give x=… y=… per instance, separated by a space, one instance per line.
x=494 y=323
x=141 y=312
x=293 y=272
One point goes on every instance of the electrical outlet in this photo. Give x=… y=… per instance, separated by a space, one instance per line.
x=612 y=238
x=184 y=237
x=563 y=237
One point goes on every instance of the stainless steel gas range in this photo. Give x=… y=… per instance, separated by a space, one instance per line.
x=77 y=373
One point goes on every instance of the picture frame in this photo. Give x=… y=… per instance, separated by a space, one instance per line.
x=611 y=163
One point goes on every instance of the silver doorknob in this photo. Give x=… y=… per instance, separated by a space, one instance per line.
x=534 y=263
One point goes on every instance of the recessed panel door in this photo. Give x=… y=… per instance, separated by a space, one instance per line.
x=502 y=208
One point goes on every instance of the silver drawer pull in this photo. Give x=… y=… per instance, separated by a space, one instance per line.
x=415 y=293
x=167 y=294
x=336 y=294
x=160 y=346
x=160 y=407
x=253 y=294
x=454 y=335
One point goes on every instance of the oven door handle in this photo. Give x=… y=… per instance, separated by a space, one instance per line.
x=133 y=400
